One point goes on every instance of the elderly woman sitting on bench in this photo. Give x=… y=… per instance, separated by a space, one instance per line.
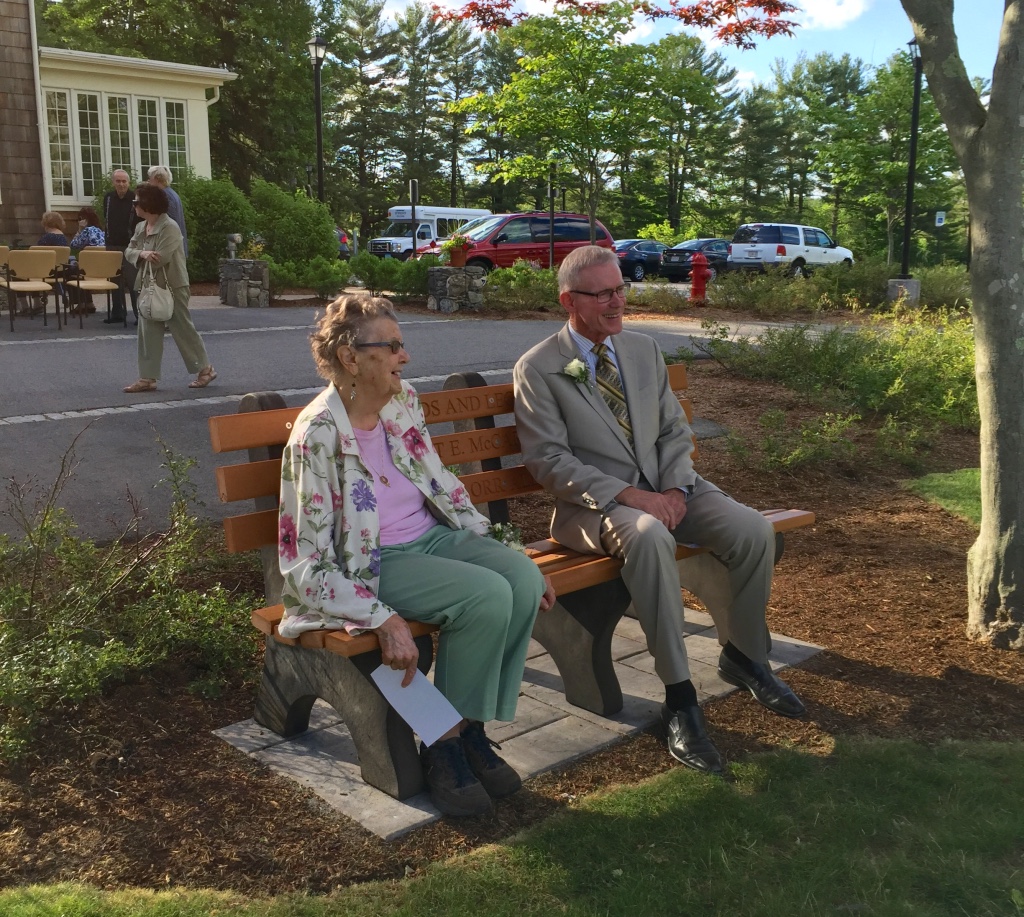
x=375 y=530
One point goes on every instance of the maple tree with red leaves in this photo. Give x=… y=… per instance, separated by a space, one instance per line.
x=735 y=22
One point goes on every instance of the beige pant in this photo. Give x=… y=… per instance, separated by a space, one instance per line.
x=190 y=344
x=734 y=582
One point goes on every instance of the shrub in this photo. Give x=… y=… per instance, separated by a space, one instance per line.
x=293 y=227
x=945 y=286
x=658 y=295
x=76 y=618
x=324 y=276
x=411 y=280
x=213 y=209
x=524 y=287
x=916 y=367
x=818 y=441
x=772 y=292
x=862 y=286
x=378 y=274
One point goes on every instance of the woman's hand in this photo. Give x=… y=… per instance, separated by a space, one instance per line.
x=149 y=255
x=397 y=648
x=548 y=599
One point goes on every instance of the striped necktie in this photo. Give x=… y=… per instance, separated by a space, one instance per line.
x=610 y=386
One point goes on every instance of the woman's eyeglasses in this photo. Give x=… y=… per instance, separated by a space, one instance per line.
x=604 y=296
x=395 y=345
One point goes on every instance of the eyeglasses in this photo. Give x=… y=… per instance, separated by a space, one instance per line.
x=395 y=345
x=604 y=296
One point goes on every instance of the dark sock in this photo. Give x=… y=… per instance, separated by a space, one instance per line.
x=680 y=695
x=734 y=655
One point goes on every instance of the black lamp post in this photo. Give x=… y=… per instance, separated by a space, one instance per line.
x=552 y=192
x=309 y=179
x=563 y=198
x=317 y=52
x=908 y=215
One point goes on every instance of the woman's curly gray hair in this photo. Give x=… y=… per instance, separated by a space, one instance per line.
x=341 y=324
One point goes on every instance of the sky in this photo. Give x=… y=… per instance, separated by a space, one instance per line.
x=872 y=30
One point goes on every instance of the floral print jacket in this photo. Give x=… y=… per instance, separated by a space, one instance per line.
x=329 y=530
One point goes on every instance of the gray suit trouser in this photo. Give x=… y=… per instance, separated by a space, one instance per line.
x=735 y=580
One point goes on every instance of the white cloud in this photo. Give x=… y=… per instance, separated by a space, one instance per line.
x=830 y=14
x=745 y=79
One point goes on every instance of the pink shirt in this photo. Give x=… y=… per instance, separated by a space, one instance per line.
x=401 y=508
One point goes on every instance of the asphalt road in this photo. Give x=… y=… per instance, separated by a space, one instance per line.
x=62 y=396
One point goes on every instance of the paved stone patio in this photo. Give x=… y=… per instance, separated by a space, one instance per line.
x=547 y=732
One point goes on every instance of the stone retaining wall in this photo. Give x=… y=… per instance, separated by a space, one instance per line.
x=244 y=283
x=450 y=289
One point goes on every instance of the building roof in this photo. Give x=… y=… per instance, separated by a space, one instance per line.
x=61 y=58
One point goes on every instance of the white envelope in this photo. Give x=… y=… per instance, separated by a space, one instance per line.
x=421 y=705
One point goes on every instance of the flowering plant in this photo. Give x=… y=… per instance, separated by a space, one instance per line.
x=454 y=241
x=577 y=371
x=508 y=534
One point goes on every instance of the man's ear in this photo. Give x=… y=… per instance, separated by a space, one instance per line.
x=565 y=298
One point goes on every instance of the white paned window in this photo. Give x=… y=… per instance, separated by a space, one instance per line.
x=119 y=130
x=177 y=157
x=92 y=133
x=59 y=142
x=90 y=143
x=149 y=134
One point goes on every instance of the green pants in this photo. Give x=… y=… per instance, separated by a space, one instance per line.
x=484 y=596
x=190 y=344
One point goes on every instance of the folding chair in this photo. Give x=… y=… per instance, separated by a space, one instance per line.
x=99 y=271
x=63 y=253
x=4 y=249
x=27 y=272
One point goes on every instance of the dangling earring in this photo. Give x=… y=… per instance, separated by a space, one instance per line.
x=352 y=393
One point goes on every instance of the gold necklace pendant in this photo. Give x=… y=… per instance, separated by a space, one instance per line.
x=383 y=479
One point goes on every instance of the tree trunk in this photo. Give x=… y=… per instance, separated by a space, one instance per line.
x=995 y=562
x=989 y=144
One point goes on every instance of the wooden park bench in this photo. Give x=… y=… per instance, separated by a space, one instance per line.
x=335 y=666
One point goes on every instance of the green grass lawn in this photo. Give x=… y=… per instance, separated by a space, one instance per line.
x=876 y=828
x=958 y=492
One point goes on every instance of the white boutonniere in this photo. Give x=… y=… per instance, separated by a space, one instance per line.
x=577 y=371
x=509 y=535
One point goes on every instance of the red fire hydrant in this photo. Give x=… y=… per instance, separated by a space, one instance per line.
x=700 y=273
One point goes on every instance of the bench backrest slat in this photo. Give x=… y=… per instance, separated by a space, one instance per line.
x=503 y=484
x=248 y=480
x=252 y=430
x=477 y=445
x=250 y=530
x=260 y=429
x=467 y=403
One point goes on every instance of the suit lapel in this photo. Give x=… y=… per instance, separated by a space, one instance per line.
x=589 y=393
x=629 y=373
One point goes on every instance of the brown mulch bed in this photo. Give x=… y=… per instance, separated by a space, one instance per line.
x=135 y=791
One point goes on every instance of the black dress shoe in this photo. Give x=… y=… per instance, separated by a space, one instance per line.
x=688 y=740
x=760 y=681
x=114 y=320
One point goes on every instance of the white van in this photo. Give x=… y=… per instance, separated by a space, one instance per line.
x=432 y=223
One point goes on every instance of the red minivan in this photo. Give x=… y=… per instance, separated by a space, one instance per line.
x=504 y=238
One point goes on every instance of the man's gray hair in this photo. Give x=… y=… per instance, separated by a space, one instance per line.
x=161 y=174
x=579 y=261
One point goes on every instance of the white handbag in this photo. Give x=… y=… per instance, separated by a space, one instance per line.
x=156 y=303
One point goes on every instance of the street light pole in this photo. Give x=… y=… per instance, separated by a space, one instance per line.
x=551 y=214
x=553 y=157
x=915 y=115
x=317 y=52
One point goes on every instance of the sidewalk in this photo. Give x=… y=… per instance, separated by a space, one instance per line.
x=547 y=733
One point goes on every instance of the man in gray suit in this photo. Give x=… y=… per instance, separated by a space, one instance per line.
x=602 y=431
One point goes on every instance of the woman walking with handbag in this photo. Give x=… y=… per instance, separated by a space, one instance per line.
x=156 y=249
